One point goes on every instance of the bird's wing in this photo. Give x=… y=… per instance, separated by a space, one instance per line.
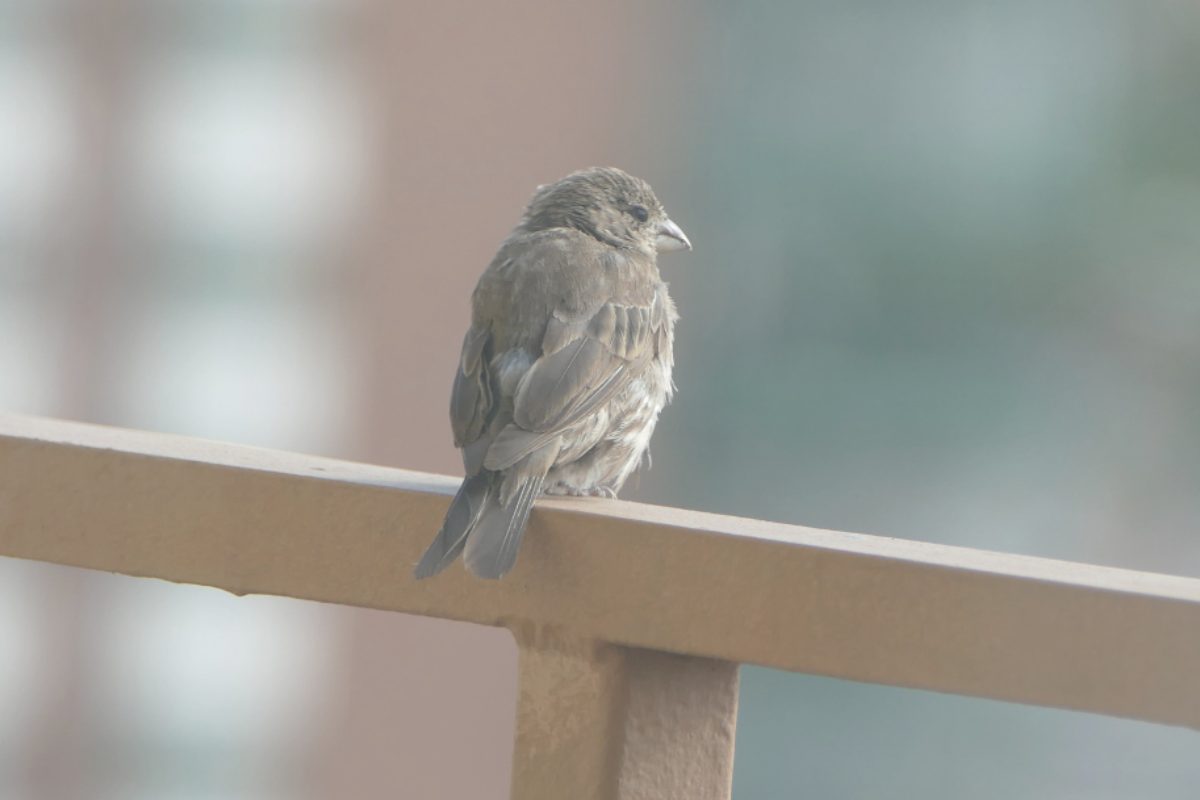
x=585 y=362
x=471 y=397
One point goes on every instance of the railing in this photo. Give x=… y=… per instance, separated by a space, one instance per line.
x=631 y=619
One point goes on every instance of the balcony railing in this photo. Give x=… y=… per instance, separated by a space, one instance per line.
x=631 y=619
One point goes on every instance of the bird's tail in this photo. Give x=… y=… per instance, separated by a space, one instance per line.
x=474 y=497
x=487 y=528
x=487 y=518
x=491 y=549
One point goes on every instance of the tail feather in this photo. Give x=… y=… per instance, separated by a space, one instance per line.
x=466 y=509
x=491 y=550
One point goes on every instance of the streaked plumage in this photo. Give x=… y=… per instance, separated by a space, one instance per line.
x=566 y=366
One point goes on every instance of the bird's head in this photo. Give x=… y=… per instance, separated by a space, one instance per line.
x=609 y=204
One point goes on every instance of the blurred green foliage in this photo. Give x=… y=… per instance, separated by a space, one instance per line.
x=946 y=287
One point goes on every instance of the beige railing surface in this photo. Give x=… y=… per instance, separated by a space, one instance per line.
x=631 y=619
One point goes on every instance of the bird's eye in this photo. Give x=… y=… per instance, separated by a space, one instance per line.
x=640 y=213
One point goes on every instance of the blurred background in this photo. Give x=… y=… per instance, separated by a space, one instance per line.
x=945 y=287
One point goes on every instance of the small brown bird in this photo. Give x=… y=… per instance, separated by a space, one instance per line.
x=566 y=366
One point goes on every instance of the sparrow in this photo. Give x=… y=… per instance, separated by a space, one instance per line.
x=566 y=365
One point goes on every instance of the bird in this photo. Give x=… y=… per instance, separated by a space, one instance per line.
x=566 y=365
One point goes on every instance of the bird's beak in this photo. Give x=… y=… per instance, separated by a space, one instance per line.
x=671 y=237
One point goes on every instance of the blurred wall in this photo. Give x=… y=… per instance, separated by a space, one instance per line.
x=261 y=221
x=945 y=287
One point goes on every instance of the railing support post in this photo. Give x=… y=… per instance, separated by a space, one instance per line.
x=598 y=721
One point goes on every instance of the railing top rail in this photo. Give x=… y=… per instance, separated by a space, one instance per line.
x=848 y=605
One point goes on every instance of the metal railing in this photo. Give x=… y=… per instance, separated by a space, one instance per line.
x=631 y=619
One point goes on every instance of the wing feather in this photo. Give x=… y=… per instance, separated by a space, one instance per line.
x=471 y=396
x=585 y=363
